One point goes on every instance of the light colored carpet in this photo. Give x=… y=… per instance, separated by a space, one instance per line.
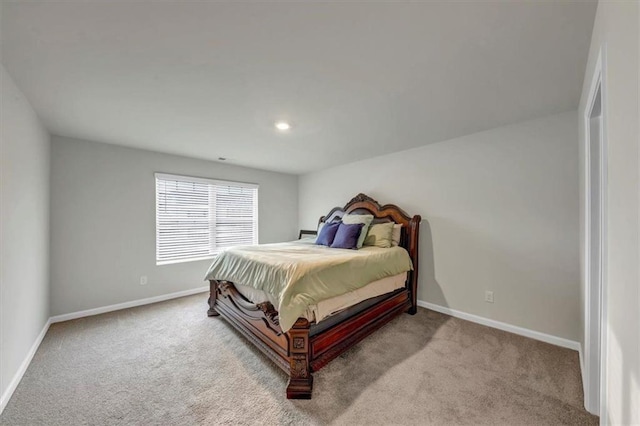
x=168 y=364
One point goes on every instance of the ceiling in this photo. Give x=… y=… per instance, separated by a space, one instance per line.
x=354 y=79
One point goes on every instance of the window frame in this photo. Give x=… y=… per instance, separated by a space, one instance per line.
x=207 y=181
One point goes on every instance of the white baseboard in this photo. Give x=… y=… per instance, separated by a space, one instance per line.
x=6 y=396
x=125 y=305
x=543 y=337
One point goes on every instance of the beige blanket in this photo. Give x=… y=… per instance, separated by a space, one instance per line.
x=300 y=274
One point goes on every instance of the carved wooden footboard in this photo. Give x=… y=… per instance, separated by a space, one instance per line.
x=259 y=323
x=307 y=347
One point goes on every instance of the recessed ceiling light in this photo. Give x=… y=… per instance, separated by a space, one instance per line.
x=282 y=125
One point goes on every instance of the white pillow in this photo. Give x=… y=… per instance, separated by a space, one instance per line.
x=395 y=235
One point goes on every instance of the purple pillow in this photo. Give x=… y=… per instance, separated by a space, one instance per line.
x=347 y=236
x=327 y=234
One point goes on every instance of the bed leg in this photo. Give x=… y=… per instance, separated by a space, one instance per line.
x=300 y=378
x=413 y=285
x=213 y=290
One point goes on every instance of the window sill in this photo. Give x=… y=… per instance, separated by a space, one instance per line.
x=195 y=259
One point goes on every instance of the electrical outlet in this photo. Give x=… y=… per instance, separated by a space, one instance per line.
x=144 y=280
x=488 y=296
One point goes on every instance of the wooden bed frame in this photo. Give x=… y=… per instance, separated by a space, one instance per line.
x=307 y=347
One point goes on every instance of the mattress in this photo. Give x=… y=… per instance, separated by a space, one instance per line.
x=301 y=274
x=326 y=308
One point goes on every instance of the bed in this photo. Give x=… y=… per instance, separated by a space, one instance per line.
x=324 y=329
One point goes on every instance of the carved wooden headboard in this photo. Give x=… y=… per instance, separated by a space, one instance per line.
x=363 y=204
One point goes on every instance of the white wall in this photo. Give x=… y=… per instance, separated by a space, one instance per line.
x=24 y=231
x=617 y=27
x=500 y=213
x=103 y=222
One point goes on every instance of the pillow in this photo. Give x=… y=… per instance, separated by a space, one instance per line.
x=347 y=236
x=379 y=235
x=365 y=219
x=327 y=234
x=395 y=235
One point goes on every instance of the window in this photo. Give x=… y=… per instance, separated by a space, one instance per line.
x=196 y=218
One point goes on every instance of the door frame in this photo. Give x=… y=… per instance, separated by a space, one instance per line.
x=594 y=361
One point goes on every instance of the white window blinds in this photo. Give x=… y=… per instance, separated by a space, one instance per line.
x=196 y=217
